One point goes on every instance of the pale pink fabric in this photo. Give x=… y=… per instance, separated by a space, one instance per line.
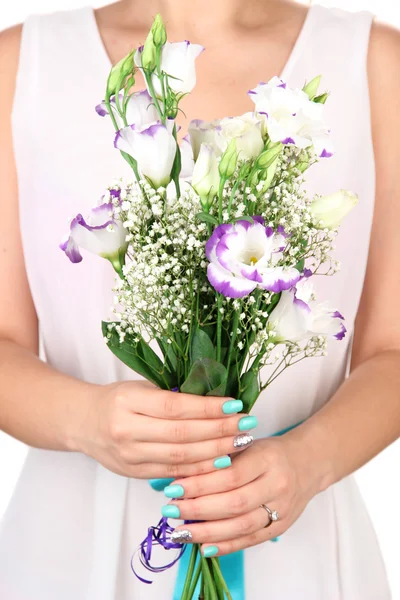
x=72 y=526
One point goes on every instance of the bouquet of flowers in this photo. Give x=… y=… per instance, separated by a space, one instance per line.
x=214 y=241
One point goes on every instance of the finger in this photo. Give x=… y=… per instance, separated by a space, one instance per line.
x=213 y=532
x=149 y=429
x=216 y=482
x=226 y=505
x=180 y=454
x=160 y=471
x=247 y=541
x=172 y=405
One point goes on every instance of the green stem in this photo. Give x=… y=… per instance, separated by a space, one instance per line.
x=218 y=586
x=220 y=197
x=189 y=574
x=235 y=324
x=217 y=570
x=194 y=582
x=219 y=327
x=154 y=96
x=208 y=584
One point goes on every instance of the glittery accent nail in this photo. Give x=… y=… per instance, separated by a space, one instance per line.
x=243 y=440
x=181 y=536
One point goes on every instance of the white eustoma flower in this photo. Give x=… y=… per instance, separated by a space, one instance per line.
x=291 y=117
x=140 y=109
x=329 y=211
x=178 y=62
x=205 y=179
x=204 y=132
x=153 y=147
x=99 y=233
x=298 y=316
x=246 y=130
x=243 y=256
x=187 y=158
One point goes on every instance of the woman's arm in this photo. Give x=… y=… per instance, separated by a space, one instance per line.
x=28 y=387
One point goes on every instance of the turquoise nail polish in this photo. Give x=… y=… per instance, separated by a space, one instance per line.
x=232 y=406
x=275 y=539
x=159 y=484
x=210 y=551
x=174 y=491
x=170 y=511
x=247 y=423
x=222 y=462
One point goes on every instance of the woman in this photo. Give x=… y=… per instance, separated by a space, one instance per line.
x=83 y=503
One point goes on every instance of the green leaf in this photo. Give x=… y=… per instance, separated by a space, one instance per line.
x=149 y=356
x=206 y=218
x=322 y=98
x=207 y=377
x=249 y=219
x=300 y=265
x=311 y=88
x=249 y=389
x=132 y=355
x=202 y=346
x=170 y=357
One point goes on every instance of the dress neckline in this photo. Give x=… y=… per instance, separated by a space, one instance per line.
x=285 y=72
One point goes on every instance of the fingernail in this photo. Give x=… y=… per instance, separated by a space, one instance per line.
x=170 y=511
x=160 y=484
x=232 y=406
x=174 y=491
x=210 y=551
x=181 y=536
x=222 y=462
x=243 y=440
x=276 y=539
x=247 y=423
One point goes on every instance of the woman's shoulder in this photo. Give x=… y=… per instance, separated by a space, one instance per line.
x=10 y=43
x=384 y=52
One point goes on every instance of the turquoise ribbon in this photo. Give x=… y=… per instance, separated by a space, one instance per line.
x=232 y=565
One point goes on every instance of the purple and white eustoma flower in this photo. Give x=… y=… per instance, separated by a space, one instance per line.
x=246 y=130
x=178 y=62
x=153 y=147
x=291 y=117
x=299 y=317
x=140 y=109
x=99 y=233
x=244 y=256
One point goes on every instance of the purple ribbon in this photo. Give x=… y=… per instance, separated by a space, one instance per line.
x=157 y=535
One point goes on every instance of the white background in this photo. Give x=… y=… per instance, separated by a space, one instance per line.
x=379 y=480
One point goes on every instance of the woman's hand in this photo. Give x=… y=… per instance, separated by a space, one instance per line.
x=273 y=471
x=137 y=430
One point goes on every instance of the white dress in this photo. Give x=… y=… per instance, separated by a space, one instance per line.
x=72 y=526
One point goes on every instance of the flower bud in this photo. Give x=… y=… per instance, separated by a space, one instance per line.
x=205 y=180
x=329 y=211
x=311 y=88
x=269 y=174
x=228 y=163
x=118 y=73
x=159 y=32
x=148 y=54
x=267 y=157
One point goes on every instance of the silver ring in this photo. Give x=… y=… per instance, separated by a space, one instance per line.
x=273 y=515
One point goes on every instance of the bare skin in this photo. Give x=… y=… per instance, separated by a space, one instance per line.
x=102 y=420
